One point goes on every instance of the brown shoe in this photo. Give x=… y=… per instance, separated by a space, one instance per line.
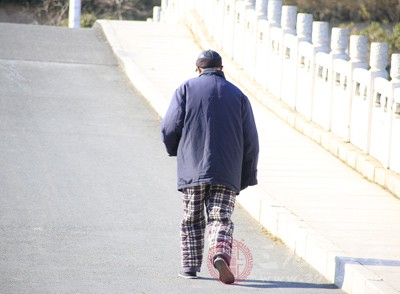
x=225 y=274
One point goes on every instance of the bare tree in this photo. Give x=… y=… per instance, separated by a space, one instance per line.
x=355 y=10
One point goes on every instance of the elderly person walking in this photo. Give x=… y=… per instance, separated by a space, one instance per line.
x=210 y=127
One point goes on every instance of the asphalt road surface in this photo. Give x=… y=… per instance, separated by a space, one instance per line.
x=88 y=202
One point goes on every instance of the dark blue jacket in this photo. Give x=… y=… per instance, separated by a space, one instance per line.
x=210 y=127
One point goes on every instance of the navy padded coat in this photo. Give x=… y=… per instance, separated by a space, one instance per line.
x=210 y=127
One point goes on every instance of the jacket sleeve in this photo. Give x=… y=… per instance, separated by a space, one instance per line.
x=172 y=124
x=251 y=147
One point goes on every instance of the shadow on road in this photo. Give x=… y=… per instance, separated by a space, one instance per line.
x=276 y=284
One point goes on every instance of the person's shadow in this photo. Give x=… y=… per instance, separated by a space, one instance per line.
x=263 y=284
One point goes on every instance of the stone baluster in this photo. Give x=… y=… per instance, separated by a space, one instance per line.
x=275 y=13
x=229 y=25
x=249 y=4
x=339 y=43
x=288 y=20
x=164 y=4
x=358 y=49
x=304 y=27
x=395 y=68
x=164 y=8
x=395 y=75
x=156 y=14
x=262 y=9
x=320 y=36
x=379 y=56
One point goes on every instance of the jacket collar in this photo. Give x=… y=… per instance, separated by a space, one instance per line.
x=211 y=72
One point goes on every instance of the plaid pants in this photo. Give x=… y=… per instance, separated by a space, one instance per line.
x=219 y=202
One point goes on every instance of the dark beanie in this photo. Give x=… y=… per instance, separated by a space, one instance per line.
x=209 y=59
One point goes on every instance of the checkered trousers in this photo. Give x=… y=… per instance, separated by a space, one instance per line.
x=217 y=202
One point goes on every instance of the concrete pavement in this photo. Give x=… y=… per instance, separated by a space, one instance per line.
x=330 y=215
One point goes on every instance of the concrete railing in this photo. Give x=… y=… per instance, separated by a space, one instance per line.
x=322 y=74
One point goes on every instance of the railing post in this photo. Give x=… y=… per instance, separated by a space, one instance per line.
x=218 y=27
x=274 y=46
x=290 y=19
x=261 y=9
x=382 y=109
x=74 y=16
x=260 y=57
x=164 y=7
x=261 y=52
x=229 y=27
x=342 y=87
x=395 y=138
x=362 y=100
x=209 y=16
x=240 y=22
x=306 y=66
x=200 y=8
x=292 y=56
x=274 y=13
x=323 y=85
x=250 y=41
x=156 y=14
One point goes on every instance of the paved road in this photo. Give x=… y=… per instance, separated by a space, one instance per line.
x=87 y=194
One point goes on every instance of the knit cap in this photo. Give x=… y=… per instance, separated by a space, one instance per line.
x=209 y=59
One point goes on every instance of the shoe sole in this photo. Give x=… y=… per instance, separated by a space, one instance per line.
x=187 y=277
x=225 y=274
